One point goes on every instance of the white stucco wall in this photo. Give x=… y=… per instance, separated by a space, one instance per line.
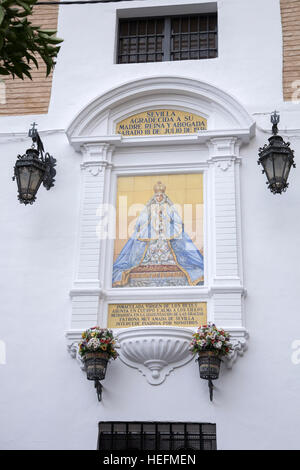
x=45 y=400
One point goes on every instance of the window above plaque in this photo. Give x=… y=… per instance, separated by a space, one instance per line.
x=168 y=38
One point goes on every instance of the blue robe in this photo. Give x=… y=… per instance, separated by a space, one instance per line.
x=187 y=257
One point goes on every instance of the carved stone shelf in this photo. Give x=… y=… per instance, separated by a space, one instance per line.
x=155 y=351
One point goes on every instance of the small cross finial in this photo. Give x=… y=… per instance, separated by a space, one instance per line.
x=33 y=130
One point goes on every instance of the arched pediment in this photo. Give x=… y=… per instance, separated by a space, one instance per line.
x=224 y=114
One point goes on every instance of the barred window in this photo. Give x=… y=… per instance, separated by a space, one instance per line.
x=156 y=436
x=169 y=38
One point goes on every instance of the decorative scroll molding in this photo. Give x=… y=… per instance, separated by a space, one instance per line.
x=99 y=154
x=224 y=165
x=239 y=340
x=221 y=148
x=73 y=350
x=155 y=351
x=95 y=170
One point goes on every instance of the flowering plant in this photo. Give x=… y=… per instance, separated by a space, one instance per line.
x=98 y=339
x=210 y=338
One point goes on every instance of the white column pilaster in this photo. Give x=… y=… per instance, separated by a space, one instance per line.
x=226 y=273
x=87 y=286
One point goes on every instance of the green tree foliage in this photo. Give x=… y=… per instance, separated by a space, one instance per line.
x=21 y=42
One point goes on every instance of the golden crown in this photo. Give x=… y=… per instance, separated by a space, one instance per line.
x=159 y=187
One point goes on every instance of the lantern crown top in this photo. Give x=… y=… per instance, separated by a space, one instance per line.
x=275 y=118
x=33 y=130
x=36 y=140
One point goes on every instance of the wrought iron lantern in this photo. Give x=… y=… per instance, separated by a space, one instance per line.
x=209 y=368
x=276 y=158
x=95 y=366
x=33 y=168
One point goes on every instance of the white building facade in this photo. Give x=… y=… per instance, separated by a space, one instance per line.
x=58 y=254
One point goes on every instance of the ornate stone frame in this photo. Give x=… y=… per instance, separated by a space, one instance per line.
x=106 y=155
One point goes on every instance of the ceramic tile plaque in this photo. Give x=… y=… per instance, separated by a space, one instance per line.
x=159 y=231
x=184 y=314
x=161 y=122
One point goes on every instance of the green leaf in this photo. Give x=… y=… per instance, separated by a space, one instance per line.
x=25 y=6
x=49 y=68
x=3 y=71
x=26 y=72
x=19 y=74
x=53 y=40
x=49 y=32
x=2 y=14
x=31 y=57
x=42 y=34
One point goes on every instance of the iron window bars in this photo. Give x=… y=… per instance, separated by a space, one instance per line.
x=168 y=39
x=151 y=436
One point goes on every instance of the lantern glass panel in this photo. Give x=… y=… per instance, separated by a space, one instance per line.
x=268 y=167
x=24 y=178
x=279 y=164
x=287 y=169
x=30 y=179
x=36 y=179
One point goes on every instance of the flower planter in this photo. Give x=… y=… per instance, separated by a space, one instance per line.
x=211 y=344
x=96 y=364
x=96 y=349
x=209 y=365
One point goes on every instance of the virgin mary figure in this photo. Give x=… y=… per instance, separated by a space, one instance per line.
x=159 y=252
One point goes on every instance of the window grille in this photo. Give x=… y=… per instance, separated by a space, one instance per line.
x=141 y=40
x=136 y=436
x=169 y=38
